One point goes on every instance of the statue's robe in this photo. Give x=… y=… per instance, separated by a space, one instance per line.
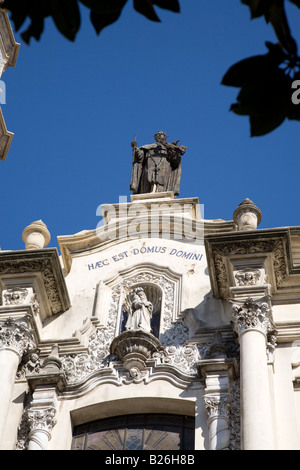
x=156 y=164
x=140 y=315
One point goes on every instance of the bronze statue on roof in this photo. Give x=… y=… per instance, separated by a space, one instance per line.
x=156 y=166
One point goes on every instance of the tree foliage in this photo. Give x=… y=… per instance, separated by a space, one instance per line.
x=265 y=81
x=66 y=14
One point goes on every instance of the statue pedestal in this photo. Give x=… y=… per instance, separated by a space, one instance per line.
x=134 y=348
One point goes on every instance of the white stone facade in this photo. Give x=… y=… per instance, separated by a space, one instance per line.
x=226 y=351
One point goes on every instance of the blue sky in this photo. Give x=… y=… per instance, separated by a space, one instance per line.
x=74 y=109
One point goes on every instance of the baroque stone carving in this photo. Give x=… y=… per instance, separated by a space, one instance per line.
x=14 y=296
x=224 y=250
x=217 y=348
x=19 y=296
x=35 y=304
x=30 y=364
x=42 y=419
x=173 y=337
x=16 y=335
x=134 y=348
x=252 y=315
x=44 y=266
x=247 y=277
x=217 y=405
x=234 y=416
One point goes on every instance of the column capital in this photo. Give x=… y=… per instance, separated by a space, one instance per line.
x=16 y=335
x=252 y=315
x=217 y=405
x=41 y=419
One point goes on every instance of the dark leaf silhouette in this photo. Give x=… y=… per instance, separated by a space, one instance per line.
x=265 y=90
x=66 y=14
x=265 y=81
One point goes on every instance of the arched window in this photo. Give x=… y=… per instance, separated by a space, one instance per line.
x=136 y=432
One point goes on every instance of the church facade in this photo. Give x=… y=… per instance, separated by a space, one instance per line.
x=158 y=330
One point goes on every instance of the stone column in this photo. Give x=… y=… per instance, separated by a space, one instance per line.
x=218 y=408
x=16 y=338
x=252 y=322
x=41 y=417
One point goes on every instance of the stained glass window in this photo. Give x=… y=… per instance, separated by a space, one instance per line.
x=137 y=432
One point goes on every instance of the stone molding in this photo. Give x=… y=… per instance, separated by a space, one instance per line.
x=9 y=47
x=5 y=138
x=271 y=245
x=18 y=264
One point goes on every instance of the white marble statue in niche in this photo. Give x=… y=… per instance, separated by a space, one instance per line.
x=140 y=311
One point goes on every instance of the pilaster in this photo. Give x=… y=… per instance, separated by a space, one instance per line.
x=218 y=371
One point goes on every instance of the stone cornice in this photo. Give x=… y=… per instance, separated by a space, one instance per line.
x=9 y=47
x=18 y=264
x=273 y=245
x=5 y=138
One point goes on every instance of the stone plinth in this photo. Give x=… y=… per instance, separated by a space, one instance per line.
x=134 y=347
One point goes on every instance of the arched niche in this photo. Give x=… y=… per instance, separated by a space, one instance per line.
x=163 y=286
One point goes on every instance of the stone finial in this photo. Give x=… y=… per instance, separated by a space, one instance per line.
x=247 y=215
x=36 y=236
x=52 y=363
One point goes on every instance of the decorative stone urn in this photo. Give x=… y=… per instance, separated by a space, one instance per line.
x=247 y=216
x=36 y=236
x=134 y=348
